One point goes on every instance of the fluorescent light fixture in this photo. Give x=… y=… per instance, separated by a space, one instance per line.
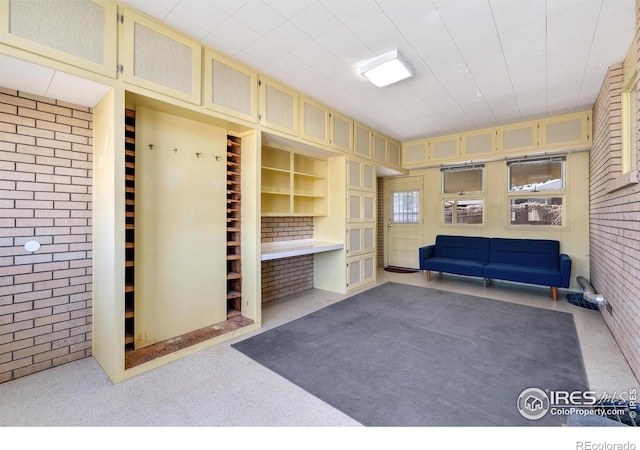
x=387 y=69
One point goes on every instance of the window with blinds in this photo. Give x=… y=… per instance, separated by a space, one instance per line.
x=462 y=180
x=536 y=175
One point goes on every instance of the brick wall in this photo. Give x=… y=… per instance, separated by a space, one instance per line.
x=45 y=195
x=614 y=228
x=380 y=218
x=287 y=276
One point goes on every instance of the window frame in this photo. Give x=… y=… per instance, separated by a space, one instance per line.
x=418 y=213
x=537 y=194
x=476 y=195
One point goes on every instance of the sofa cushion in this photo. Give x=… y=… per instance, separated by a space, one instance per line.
x=542 y=253
x=463 y=248
x=523 y=274
x=452 y=265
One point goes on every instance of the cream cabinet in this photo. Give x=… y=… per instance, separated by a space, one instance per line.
x=278 y=106
x=568 y=131
x=229 y=87
x=361 y=175
x=520 y=137
x=444 y=149
x=82 y=34
x=341 y=133
x=479 y=143
x=159 y=59
x=379 y=147
x=393 y=156
x=361 y=270
x=314 y=121
x=362 y=141
x=361 y=213
x=293 y=184
x=415 y=153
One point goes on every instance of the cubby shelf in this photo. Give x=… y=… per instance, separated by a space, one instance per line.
x=130 y=202
x=293 y=184
x=234 y=202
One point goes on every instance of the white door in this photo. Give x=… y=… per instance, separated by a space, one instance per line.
x=403 y=221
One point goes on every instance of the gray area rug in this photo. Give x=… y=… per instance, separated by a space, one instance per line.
x=400 y=355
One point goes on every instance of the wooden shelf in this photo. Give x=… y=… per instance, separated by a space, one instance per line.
x=130 y=190
x=234 y=211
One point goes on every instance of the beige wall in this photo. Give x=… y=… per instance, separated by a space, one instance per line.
x=180 y=249
x=573 y=236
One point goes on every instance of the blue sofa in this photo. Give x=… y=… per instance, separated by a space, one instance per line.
x=533 y=261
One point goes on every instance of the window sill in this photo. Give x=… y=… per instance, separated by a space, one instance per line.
x=625 y=180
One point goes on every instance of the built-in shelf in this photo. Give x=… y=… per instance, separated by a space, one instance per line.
x=130 y=201
x=234 y=201
x=287 y=249
x=293 y=184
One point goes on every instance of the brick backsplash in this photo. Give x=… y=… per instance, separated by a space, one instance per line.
x=287 y=276
x=45 y=195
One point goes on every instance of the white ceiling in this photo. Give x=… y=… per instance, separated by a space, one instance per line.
x=477 y=63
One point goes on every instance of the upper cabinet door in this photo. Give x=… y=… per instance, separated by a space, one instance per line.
x=479 y=143
x=278 y=107
x=341 y=133
x=160 y=59
x=379 y=148
x=445 y=148
x=363 y=136
x=415 y=153
x=394 y=154
x=568 y=131
x=519 y=137
x=230 y=87
x=314 y=121
x=82 y=34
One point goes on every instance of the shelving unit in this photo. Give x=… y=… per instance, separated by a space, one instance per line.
x=130 y=201
x=293 y=184
x=234 y=202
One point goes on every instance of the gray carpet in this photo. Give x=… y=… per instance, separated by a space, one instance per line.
x=400 y=355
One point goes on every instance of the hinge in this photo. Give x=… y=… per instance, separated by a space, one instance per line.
x=259 y=116
x=120 y=18
x=259 y=82
x=119 y=68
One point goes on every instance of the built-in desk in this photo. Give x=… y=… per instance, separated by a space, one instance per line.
x=287 y=249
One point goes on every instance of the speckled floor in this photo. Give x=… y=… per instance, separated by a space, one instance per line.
x=221 y=387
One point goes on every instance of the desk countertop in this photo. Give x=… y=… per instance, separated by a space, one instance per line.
x=287 y=249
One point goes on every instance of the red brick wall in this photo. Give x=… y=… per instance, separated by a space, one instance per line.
x=287 y=276
x=380 y=218
x=45 y=195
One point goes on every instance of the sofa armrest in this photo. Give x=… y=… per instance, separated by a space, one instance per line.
x=426 y=253
x=565 y=270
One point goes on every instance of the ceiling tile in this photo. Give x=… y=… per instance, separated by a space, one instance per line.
x=21 y=75
x=259 y=16
x=315 y=20
x=73 y=89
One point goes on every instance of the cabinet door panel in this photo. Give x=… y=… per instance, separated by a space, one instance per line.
x=53 y=29
x=230 y=87
x=572 y=130
x=362 y=145
x=160 y=59
x=278 y=107
x=314 y=119
x=341 y=133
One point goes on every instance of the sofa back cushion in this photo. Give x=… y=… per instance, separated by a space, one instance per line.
x=463 y=247
x=525 y=252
